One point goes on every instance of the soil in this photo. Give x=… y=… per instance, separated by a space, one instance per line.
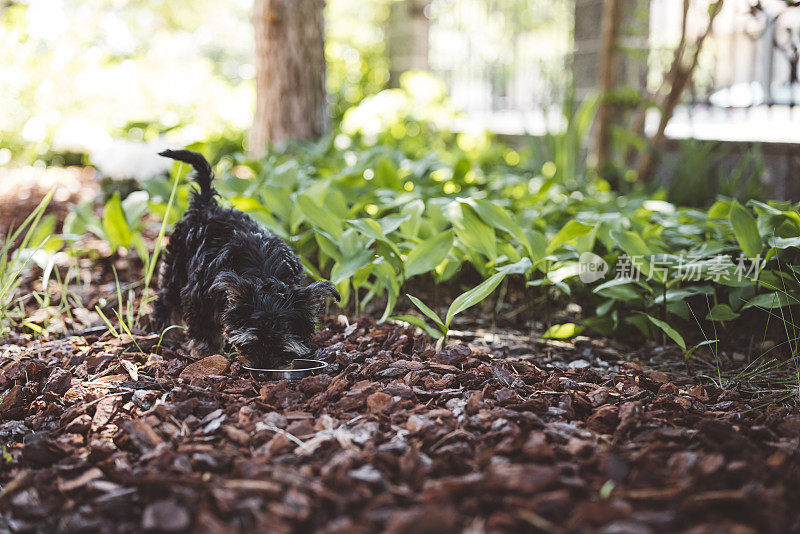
x=105 y=434
x=22 y=188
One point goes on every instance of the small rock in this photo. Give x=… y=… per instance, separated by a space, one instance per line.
x=579 y=364
x=165 y=516
x=144 y=398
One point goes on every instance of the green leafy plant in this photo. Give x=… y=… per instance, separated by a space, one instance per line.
x=13 y=262
x=120 y=225
x=464 y=301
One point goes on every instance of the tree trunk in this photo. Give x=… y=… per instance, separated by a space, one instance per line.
x=290 y=72
x=407 y=38
x=609 y=34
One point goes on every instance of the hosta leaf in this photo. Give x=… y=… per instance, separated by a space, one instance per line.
x=413 y=210
x=520 y=267
x=721 y=312
x=373 y=229
x=562 y=331
x=114 y=224
x=619 y=289
x=471 y=231
x=632 y=243
x=428 y=254
x=426 y=310
x=784 y=242
x=496 y=216
x=135 y=206
x=771 y=300
x=347 y=267
x=319 y=216
x=570 y=231
x=567 y=270
x=638 y=253
x=390 y=223
x=745 y=229
x=473 y=296
x=668 y=330
x=416 y=321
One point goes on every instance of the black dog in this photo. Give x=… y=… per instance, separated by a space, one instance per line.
x=231 y=280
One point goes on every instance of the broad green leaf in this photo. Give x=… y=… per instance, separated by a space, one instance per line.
x=668 y=330
x=135 y=206
x=771 y=300
x=428 y=254
x=471 y=231
x=620 y=291
x=413 y=210
x=496 y=216
x=721 y=312
x=114 y=224
x=327 y=246
x=784 y=242
x=632 y=243
x=416 y=321
x=386 y=174
x=520 y=267
x=390 y=223
x=349 y=265
x=570 y=231
x=473 y=296
x=745 y=229
x=638 y=253
x=538 y=244
x=719 y=210
x=562 y=331
x=427 y=311
x=567 y=270
x=675 y=295
x=319 y=216
x=373 y=229
x=689 y=352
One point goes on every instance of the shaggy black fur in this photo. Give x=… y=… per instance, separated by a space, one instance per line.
x=230 y=280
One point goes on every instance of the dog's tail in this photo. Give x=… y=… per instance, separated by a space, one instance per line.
x=203 y=174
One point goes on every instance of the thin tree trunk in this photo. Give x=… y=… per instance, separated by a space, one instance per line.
x=680 y=75
x=609 y=32
x=290 y=72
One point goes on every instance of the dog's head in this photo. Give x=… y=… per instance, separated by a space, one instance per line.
x=268 y=321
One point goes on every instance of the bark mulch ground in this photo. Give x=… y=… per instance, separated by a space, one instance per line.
x=120 y=435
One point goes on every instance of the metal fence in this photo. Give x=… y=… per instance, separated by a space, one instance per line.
x=507 y=65
x=746 y=85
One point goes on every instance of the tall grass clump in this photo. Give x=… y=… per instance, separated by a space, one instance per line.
x=14 y=261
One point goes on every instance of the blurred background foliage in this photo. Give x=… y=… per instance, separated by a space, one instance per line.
x=80 y=73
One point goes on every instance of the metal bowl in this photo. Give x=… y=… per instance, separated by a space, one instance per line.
x=300 y=368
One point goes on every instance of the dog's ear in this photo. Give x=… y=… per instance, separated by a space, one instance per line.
x=231 y=284
x=320 y=290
